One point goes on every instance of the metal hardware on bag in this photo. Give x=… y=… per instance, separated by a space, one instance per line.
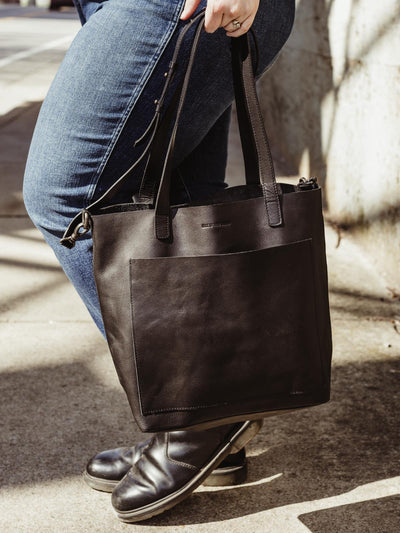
x=77 y=231
x=82 y=228
x=307 y=184
x=85 y=221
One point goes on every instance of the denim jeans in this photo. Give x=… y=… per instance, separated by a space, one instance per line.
x=102 y=99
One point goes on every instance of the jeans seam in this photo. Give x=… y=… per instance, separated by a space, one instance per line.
x=92 y=187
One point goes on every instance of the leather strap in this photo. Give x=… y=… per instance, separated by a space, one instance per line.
x=154 y=168
x=259 y=137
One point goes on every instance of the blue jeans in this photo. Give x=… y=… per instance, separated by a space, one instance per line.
x=102 y=99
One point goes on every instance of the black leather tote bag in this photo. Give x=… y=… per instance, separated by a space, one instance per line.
x=214 y=312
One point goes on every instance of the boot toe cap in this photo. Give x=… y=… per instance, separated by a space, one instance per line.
x=108 y=464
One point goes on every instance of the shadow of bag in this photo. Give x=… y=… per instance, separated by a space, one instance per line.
x=215 y=312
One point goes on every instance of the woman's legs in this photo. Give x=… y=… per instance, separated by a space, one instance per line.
x=93 y=94
x=102 y=100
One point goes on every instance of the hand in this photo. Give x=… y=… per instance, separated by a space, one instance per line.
x=223 y=14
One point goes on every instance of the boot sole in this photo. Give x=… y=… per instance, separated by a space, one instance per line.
x=235 y=444
x=96 y=483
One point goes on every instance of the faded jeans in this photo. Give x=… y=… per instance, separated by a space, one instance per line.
x=102 y=99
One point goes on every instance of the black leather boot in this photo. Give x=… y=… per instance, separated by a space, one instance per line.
x=173 y=465
x=105 y=470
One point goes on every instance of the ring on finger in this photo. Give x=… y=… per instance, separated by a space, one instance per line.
x=236 y=24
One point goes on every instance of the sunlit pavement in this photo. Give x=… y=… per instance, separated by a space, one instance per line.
x=330 y=469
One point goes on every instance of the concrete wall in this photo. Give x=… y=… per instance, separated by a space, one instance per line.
x=332 y=105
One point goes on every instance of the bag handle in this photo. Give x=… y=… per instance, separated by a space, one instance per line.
x=155 y=163
x=154 y=168
x=245 y=92
x=257 y=155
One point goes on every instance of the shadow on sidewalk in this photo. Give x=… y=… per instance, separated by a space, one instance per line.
x=54 y=418
x=321 y=452
x=375 y=516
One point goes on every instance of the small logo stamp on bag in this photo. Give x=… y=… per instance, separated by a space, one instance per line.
x=209 y=225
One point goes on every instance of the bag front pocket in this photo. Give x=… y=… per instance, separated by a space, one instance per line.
x=225 y=329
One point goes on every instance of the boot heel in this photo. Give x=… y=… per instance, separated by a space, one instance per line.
x=224 y=477
x=248 y=432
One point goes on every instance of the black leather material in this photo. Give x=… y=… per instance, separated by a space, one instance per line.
x=112 y=465
x=233 y=287
x=173 y=465
x=280 y=338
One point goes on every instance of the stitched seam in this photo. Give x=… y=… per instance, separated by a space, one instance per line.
x=325 y=378
x=207 y=406
x=190 y=408
x=270 y=165
x=284 y=395
x=136 y=358
x=162 y=222
x=135 y=352
x=258 y=150
x=180 y=463
x=257 y=145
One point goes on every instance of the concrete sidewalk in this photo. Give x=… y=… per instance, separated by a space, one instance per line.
x=330 y=469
